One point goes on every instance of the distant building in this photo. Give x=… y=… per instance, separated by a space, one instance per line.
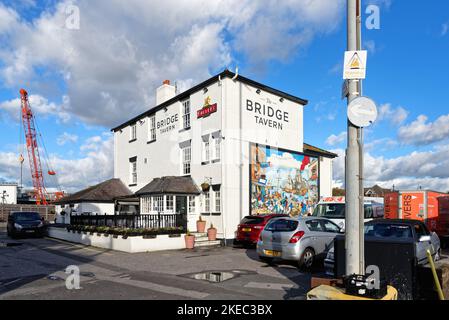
x=8 y=193
x=376 y=191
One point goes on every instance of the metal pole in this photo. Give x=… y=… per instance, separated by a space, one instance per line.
x=361 y=155
x=352 y=222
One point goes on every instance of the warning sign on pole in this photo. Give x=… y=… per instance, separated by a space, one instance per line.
x=355 y=65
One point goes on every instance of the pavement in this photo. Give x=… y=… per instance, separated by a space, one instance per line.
x=35 y=269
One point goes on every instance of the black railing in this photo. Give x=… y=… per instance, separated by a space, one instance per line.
x=153 y=221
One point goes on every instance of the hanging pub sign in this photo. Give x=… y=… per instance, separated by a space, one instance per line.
x=207 y=109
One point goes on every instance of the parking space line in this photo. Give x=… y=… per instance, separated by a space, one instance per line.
x=270 y=286
x=80 y=246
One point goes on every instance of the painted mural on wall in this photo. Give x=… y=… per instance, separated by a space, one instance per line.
x=283 y=182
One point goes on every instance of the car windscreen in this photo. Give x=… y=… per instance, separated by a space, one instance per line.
x=330 y=211
x=337 y=211
x=390 y=231
x=282 y=225
x=26 y=216
x=252 y=220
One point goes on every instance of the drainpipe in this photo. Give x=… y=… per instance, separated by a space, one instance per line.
x=223 y=164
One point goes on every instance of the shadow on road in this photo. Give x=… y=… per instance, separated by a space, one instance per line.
x=36 y=259
x=290 y=270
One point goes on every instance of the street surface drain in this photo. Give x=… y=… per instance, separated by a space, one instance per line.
x=213 y=276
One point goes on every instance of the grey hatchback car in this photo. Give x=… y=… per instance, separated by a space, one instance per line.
x=301 y=240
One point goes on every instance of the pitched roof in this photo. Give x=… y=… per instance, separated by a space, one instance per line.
x=102 y=192
x=170 y=185
x=311 y=149
x=224 y=74
x=377 y=190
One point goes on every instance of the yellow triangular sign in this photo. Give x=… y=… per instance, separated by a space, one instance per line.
x=355 y=62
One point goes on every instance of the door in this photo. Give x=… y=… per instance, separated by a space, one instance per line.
x=421 y=247
x=331 y=230
x=317 y=238
x=181 y=210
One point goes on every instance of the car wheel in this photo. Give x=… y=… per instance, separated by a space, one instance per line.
x=267 y=260
x=307 y=259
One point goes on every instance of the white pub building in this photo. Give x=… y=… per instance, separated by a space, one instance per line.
x=226 y=148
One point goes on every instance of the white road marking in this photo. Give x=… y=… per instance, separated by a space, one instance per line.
x=157 y=287
x=271 y=286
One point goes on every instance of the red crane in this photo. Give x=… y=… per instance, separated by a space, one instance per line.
x=33 y=151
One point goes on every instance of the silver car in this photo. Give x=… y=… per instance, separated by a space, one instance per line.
x=397 y=230
x=303 y=240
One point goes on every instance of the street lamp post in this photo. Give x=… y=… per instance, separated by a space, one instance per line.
x=353 y=238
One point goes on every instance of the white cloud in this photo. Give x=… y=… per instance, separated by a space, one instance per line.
x=426 y=169
x=422 y=132
x=444 y=29
x=72 y=174
x=40 y=107
x=394 y=115
x=122 y=51
x=8 y=18
x=335 y=140
x=370 y=45
x=65 y=138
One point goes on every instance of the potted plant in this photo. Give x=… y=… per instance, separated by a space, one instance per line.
x=200 y=225
x=190 y=240
x=205 y=186
x=212 y=233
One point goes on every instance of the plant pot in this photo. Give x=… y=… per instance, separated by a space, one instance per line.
x=212 y=234
x=190 y=241
x=205 y=187
x=201 y=226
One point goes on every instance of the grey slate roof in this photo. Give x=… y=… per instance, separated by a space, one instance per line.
x=170 y=185
x=106 y=191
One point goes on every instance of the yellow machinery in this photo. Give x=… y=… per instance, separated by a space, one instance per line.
x=325 y=292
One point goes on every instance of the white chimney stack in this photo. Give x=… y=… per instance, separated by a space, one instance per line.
x=165 y=92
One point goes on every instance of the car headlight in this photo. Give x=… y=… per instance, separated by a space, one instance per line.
x=17 y=226
x=41 y=224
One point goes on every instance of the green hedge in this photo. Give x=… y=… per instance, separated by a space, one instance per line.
x=127 y=231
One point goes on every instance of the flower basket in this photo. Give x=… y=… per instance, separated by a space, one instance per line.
x=205 y=186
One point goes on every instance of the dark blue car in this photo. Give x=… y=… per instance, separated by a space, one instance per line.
x=25 y=224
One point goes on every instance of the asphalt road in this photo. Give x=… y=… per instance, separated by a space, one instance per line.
x=35 y=269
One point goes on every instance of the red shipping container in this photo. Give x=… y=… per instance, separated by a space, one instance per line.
x=428 y=206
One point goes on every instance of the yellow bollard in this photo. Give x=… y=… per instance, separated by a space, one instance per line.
x=435 y=276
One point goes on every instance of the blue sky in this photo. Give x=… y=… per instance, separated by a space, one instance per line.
x=86 y=80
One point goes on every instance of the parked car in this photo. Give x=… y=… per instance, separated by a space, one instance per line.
x=333 y=208
x=249 y=229
x=25 y=223
x=301 y=240
x=397 y=229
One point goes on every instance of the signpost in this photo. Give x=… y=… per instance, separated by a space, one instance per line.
x=362 y=112
x=355 y=65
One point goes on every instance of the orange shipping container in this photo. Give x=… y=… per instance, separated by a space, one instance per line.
x=428 y=206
